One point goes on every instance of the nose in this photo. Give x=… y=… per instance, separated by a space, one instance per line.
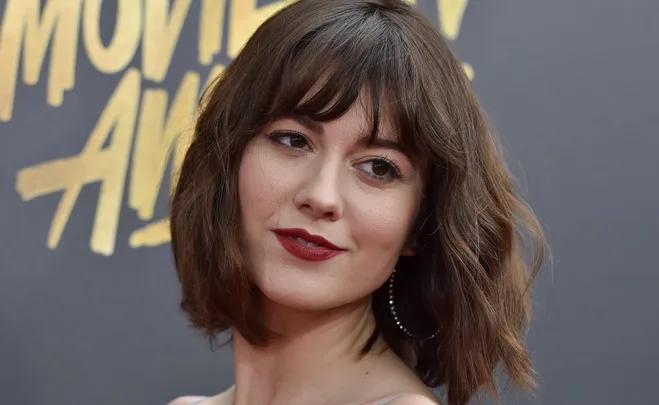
x=319 y=195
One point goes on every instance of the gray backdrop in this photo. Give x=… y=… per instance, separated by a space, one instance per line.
x=570 y=85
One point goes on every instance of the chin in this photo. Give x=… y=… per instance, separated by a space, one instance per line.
x=302 y=292
x=297 y=296
x=297 y=301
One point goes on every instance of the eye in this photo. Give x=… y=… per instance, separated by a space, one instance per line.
x=294 y=140
x=381 y=169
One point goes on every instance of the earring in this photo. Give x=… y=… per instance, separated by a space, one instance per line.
x=392 y=308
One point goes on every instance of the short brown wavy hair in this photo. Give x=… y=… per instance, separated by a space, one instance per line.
x=469 y=278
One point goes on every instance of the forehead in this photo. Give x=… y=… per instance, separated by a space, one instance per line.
x=360 y=118
x=335 y=94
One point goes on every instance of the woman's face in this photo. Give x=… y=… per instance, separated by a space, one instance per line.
x=325 y=216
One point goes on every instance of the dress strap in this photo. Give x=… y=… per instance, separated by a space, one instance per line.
x=386 y=401
x=198 y=400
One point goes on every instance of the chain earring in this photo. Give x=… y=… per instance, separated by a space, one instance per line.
x=392 y=308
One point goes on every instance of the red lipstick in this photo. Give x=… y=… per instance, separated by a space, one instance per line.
x=306 y=246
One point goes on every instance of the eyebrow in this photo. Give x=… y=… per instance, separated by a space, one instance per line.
x=365 y=140
x=307 y=122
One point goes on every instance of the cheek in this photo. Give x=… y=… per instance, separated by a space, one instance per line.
x=260 y=184
x=384 y=222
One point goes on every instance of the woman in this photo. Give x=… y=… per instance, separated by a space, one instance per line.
x=345 y=212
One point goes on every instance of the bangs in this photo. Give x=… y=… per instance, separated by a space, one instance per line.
x=330 y=68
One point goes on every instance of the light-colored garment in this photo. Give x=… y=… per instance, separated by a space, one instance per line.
x=385 y=402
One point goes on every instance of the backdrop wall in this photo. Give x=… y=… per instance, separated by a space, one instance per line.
x=94 y=94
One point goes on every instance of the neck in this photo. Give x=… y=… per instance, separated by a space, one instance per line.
x=315 y=355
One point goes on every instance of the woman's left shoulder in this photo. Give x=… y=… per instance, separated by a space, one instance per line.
x=187 y=400
x=412 y=399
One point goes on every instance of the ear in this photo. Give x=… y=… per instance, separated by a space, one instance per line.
x=408 y=252
x=412 y=237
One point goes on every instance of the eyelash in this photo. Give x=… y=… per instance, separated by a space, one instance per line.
x=395 y=172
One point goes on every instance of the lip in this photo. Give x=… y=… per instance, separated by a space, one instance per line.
x=324 y=251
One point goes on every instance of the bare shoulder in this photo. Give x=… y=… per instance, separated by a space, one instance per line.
x=185 y=400
x=223 y=398
x=412 y=399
